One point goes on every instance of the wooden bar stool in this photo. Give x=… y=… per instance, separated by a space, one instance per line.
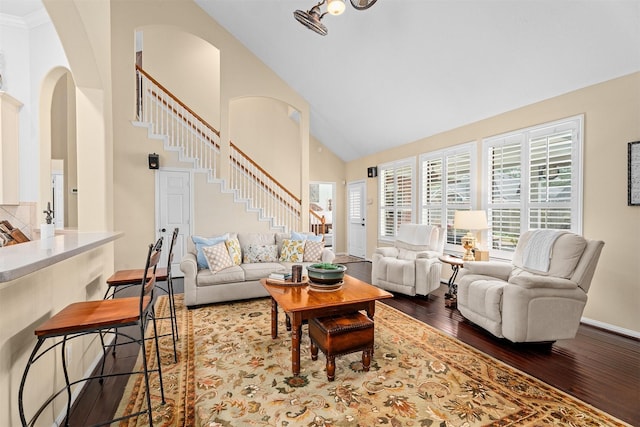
x=99 y=317
x=124 y=279
x=341 y=334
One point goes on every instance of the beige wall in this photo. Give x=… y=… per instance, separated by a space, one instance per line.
x=216 y=213
x=63 y=144
x=262 y=129
x=325 y=166
x=241 y=75
x=611 y=112
x=118 y=192
x=187 y=66
x=83 y=28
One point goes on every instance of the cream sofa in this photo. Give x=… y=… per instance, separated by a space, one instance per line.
x=201 y=286
x=411 y=266
x=524 y=302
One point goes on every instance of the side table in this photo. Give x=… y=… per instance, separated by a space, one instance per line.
x=450 y=299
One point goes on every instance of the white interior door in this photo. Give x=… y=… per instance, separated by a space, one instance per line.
x=58 y=198
x=357 y=219
x=173 y=209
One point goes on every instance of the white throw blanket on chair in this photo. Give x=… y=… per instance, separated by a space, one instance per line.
x=537 y=252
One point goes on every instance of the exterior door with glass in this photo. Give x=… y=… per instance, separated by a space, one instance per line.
x=357 y=233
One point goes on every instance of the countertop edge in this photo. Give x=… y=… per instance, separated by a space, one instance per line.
x=63 y=247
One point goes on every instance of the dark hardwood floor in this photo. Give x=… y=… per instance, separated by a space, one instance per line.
x=598 y=367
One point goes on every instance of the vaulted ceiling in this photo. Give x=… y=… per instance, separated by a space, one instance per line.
x=403 y=70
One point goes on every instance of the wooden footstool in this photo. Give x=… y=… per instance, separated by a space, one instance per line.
x=341 y=334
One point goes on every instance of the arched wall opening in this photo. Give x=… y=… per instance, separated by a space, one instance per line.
x=186 y=65
x=58 y=147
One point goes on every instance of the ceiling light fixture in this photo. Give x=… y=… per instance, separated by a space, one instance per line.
x=312 y=18
x=335 y=7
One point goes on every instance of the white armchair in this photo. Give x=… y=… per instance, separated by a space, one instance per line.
x=540 y=296
x=411 y=266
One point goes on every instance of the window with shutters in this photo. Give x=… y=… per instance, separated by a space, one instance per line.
x=355 y=205
x=533 y=180
x=447 y=178
x=396 y=182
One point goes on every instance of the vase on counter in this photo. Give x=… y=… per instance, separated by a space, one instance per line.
x=47 y=231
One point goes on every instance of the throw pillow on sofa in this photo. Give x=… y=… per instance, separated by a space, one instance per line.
x=261 y=253
x=201 y=242
x=312 y=251
x=235 y=252
x=300 y=236
x=292 y=250
x=217 y=257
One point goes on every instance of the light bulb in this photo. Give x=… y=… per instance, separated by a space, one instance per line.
x=335 y=7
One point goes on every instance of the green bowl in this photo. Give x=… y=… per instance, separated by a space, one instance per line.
x=326 y=274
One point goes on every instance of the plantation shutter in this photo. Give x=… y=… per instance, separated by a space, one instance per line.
x=505 y=165
x=550 y=177
x=432 y=191
x=387 y=198
x=458 y=191
x=396 y=196
x=404 y=193
x=446 y=181
x=534 y=182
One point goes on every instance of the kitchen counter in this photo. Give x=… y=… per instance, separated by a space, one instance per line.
x=25 y=258
x=38 y=279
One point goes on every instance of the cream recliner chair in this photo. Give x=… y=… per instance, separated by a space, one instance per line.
x=538 y=297
x=411 y=266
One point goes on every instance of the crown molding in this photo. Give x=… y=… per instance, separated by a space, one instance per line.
x=32 y=20
x=12 y=21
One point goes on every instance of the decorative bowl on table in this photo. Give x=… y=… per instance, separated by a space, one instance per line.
x=326 y=273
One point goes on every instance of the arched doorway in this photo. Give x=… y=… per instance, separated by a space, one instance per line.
x=58 y=148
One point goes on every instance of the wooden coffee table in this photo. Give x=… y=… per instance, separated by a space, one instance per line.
x=302 y=303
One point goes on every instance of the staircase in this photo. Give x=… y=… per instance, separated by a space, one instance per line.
x=168 y=119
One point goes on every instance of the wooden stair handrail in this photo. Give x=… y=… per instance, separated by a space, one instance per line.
x=257 y=166
x=175 y=98
x=320 y=218
x=322 y=224
x=189 y=122
x=265 y=186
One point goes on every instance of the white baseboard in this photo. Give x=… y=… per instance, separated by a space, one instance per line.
x=612 y=328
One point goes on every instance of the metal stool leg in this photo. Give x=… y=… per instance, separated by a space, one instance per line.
x=157 y=345
x=174 y=318
x=32 y=359
x=66 y=378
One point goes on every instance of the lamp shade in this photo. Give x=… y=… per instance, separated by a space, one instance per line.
x=335 y=7
x=470 y=220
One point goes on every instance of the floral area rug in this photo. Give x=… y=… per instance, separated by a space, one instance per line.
x=232 y=373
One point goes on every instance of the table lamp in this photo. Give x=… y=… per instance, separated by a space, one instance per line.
x=472 y=221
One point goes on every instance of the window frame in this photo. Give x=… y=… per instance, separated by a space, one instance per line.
x=574 y=124
x=470 y=148
x=395 y=165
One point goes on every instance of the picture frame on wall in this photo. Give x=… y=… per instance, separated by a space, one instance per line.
x=634 y=173
x=314 y=193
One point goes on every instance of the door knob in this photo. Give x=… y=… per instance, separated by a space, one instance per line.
x=163 y=230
